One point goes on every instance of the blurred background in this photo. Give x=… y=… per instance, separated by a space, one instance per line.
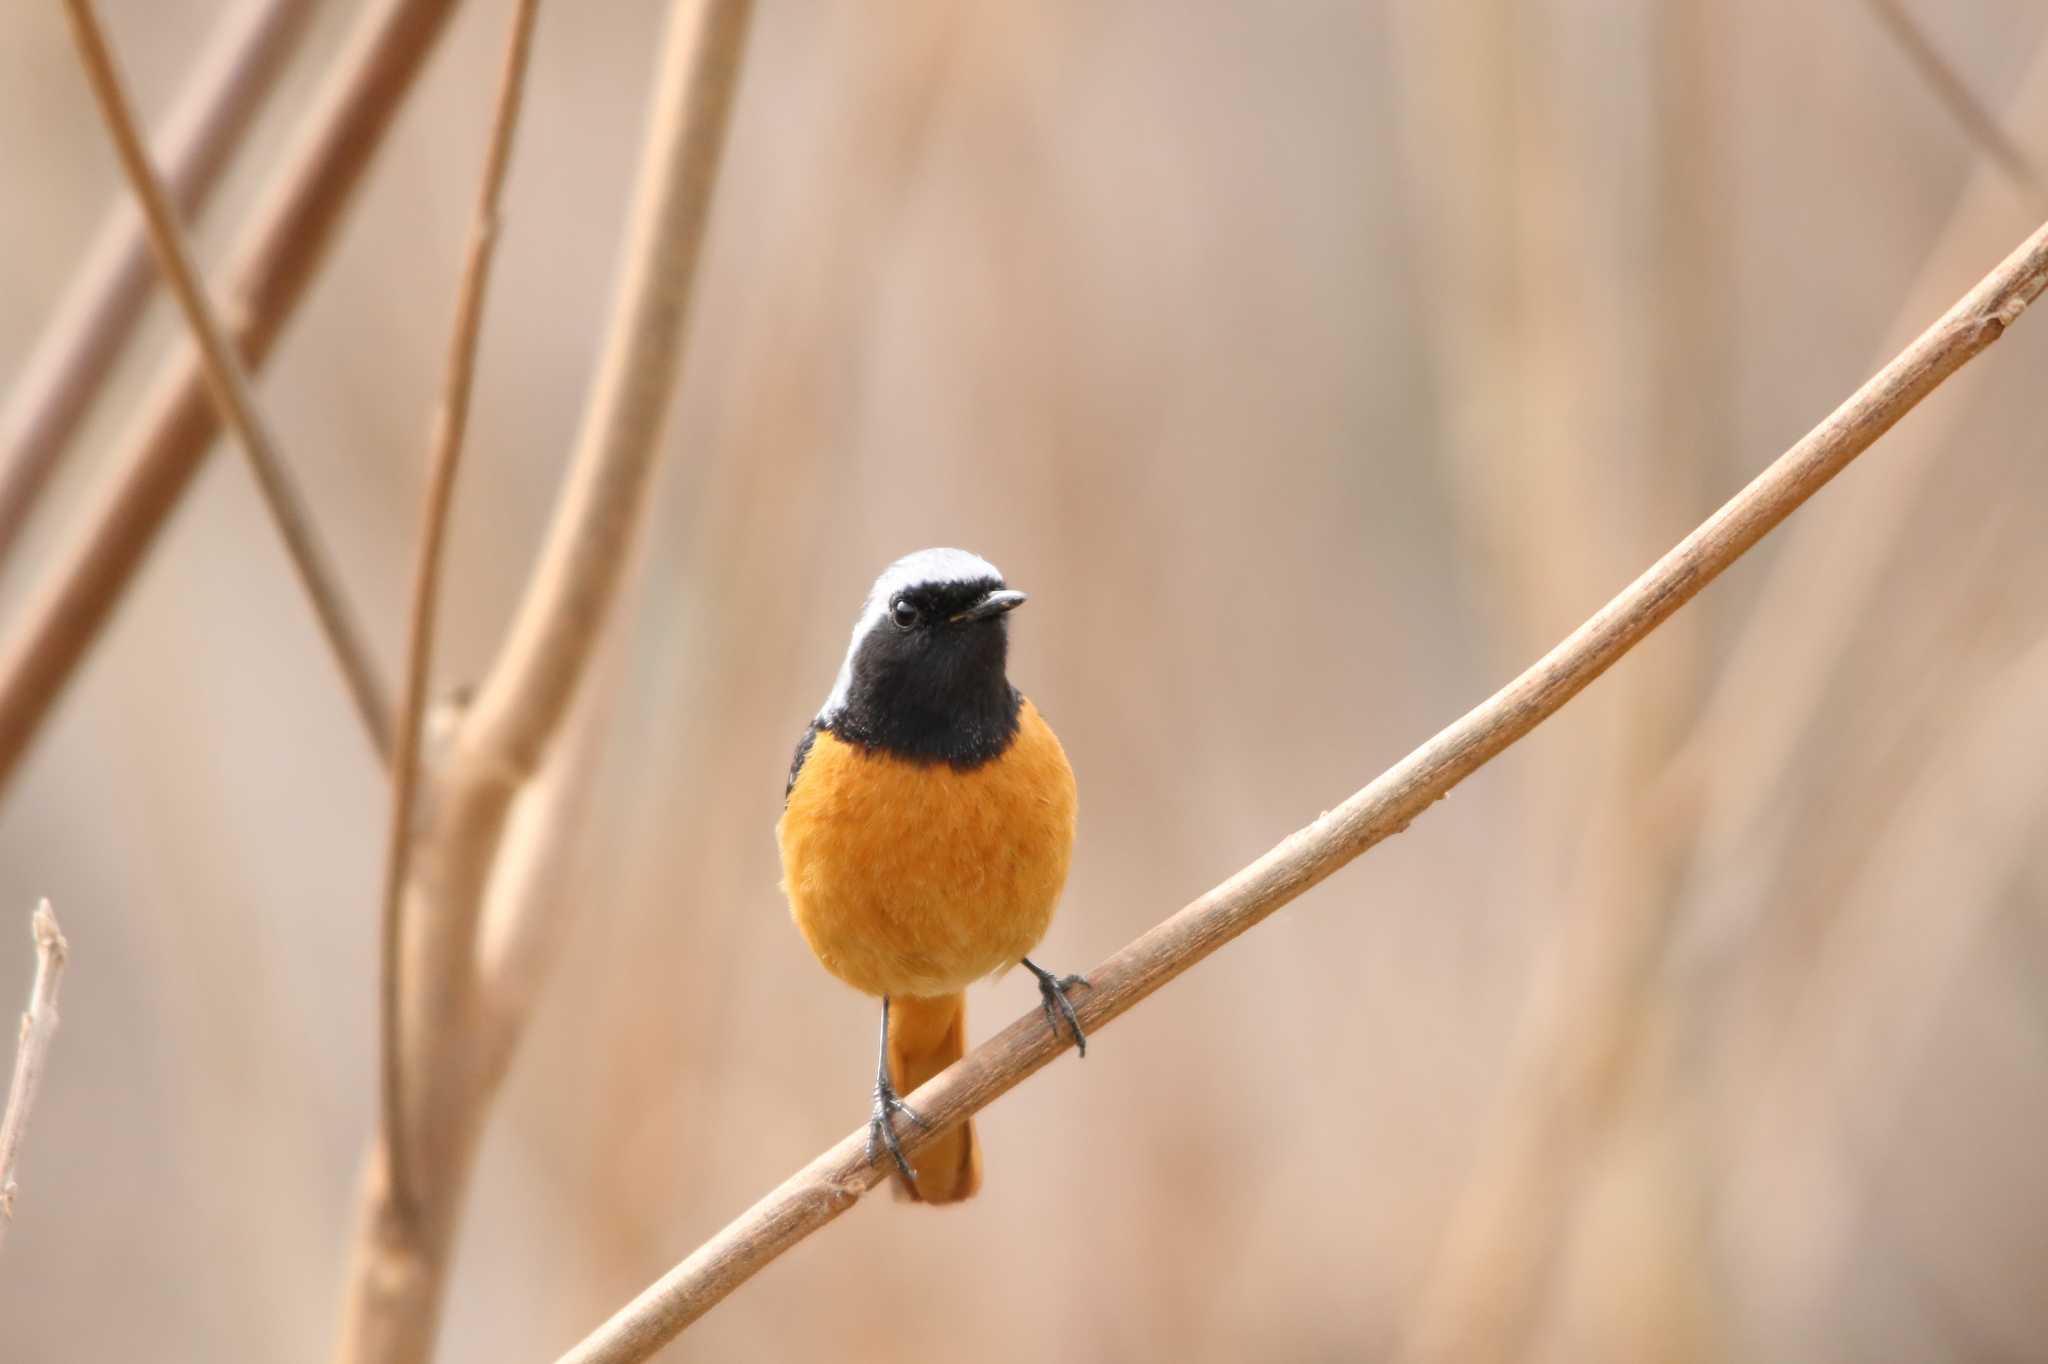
x=1314 y=366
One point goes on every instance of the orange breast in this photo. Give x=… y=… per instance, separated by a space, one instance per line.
x=913 y=879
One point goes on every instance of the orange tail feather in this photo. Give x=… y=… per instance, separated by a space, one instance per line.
x=926 y=1036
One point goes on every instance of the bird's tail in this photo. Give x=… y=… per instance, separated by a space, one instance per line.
x=926 y=1036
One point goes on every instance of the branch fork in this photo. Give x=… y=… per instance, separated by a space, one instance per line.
x=454 y=1003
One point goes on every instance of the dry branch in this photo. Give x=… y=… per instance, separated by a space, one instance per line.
x=834 y=1181
x=453 y=1036
x=284 y=246
x=451 y=421
x=230 y=385
x=79 y=348
x=38 y=1026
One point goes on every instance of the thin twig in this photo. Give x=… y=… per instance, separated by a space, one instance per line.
x=284 y=246
x=79 y=348
x=230 y=386
x=835 y=1180
x=455 y=1036
x=450 y=423
x=1979 y=123
x=38 y=1026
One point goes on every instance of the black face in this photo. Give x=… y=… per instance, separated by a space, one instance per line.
x=928 y=681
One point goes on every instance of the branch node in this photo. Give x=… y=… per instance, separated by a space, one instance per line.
x=50 y=941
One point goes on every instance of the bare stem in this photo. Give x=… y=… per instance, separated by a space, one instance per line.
x=79 y=348
x=38 y=1026
x=522 y=703
x=230 y=385
x=154 y=465
x=450 y=423
x=832 y=1183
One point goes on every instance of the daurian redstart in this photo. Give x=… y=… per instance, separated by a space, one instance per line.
x=925 y=834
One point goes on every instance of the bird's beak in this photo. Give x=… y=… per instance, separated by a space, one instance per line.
x=994 y=604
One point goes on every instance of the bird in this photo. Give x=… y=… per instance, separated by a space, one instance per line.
x=926 y=831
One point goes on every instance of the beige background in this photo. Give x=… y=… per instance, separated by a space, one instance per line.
x=1313 y=365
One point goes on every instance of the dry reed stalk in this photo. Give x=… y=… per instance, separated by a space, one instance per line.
x=84 y=340
x=230 y=385
x=282 y=249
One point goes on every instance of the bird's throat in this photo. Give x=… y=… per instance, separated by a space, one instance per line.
x=962 y=725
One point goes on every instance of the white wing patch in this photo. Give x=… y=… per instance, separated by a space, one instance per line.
x=927 y=566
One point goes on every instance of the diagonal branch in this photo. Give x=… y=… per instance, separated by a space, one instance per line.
x=38 y=1026
x=230 y=385
x=832 y=1183
x=283 y=248
x=79 y=348
x=450 y=423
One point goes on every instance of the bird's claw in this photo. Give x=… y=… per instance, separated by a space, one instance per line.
x=1052 y=995
x=882 y=1128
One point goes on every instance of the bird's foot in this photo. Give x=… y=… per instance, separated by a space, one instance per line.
x=1052 y=993
x=882 y=1127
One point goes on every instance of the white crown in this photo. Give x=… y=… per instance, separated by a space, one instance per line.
x=924 y=568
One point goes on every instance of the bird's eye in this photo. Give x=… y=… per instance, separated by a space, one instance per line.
x=903 y=613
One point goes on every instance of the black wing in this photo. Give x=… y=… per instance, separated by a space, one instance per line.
x=796 y=764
